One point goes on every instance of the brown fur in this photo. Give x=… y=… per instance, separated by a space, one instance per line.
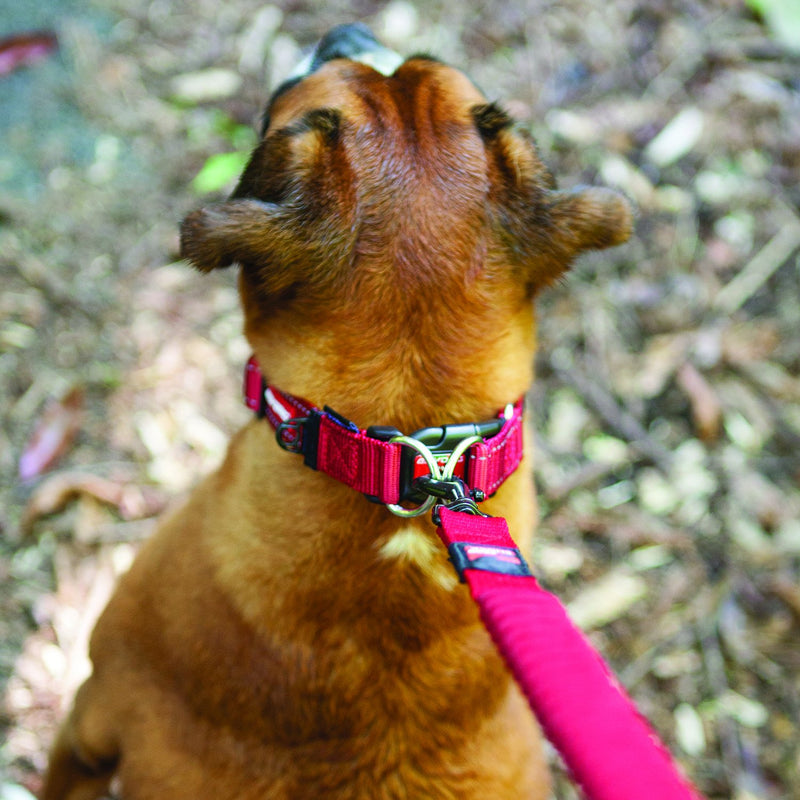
x=280 y=636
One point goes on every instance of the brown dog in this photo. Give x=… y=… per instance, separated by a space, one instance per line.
x=280 y=636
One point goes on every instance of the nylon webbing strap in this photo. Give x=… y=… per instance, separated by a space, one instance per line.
x=608 y=747
x=364 y=464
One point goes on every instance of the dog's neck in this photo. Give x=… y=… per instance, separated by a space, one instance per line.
x=449 y=370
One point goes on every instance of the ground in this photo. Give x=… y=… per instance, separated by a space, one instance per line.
x=667 y=402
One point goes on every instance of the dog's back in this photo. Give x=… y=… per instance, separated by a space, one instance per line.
x=280 y=636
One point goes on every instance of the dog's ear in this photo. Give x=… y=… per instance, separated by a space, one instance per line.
x=589 y=218
x=256 y=235
x=543 y=229
x=585 y=218
x=219 y=235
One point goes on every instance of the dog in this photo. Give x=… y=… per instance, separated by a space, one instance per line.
x=280 y=636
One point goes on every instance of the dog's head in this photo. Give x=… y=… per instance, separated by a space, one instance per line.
x=392 y=228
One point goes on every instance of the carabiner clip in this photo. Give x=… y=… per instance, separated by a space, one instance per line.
x=451 y=493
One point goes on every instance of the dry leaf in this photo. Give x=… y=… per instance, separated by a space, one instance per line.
x=24 y=50
x=678 y=137
x=705 y=405
x=53 y=436
x=748 y=342
x=606 y=599
x=53 y=495
x=787 y=591
x=663 y=355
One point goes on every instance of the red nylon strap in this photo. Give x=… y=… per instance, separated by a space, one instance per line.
x=492 y=461
x=359 y=461
x=610 y=750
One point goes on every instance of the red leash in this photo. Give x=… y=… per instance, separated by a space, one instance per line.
x=609 y=748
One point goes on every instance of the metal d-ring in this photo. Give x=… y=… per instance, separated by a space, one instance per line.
x=430 y=461
x=461 y=448
x=445 y=474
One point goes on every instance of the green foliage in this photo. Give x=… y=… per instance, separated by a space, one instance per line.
x=218 y=171
x=242 y=137
x=221 y=169
x=782 y=18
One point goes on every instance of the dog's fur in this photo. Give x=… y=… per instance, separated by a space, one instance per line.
x=280 y=636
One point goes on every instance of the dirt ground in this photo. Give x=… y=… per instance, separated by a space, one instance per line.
x=668 y=397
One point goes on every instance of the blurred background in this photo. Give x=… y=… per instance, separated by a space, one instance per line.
x=667 y=404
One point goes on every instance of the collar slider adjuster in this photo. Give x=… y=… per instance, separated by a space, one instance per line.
x=300 y=435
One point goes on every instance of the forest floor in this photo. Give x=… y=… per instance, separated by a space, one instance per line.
x=667 y=403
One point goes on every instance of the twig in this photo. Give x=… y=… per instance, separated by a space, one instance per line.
x=787 y=591
x=616 y=416
x=760 y=268
x=587 y=475
x=714 y=661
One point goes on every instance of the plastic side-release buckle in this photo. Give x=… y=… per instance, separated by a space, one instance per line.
x=441 y=441
x=488 y=558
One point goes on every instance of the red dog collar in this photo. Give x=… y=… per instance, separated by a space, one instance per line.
x=368 y=462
